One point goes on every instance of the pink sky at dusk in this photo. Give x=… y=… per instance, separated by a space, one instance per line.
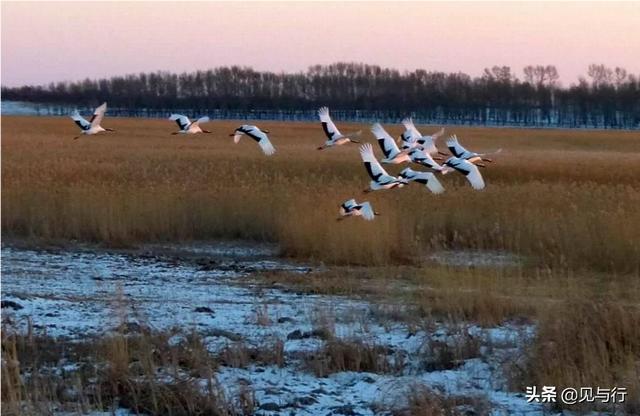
x=44 y=42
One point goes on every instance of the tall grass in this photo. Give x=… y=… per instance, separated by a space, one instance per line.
x=587 y=344
x=566 y=199
x=145 y=373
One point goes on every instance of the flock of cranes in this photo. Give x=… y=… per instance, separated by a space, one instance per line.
x=92 y=126
x=414 y=148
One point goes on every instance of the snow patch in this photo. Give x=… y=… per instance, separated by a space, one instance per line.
x=80 y=293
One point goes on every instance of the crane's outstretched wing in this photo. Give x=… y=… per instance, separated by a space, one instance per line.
x=80 y=121
x=367 y=211
x=98 y=115
x=330 y=129
x=410 y=127
x=431 y=182
x=204 y=119
x=374 y=169
x=266 y=146
x=456 y=148
x=256 y=134
x=474 y=176
x=469 y=170
x=183 y=122
x=387 y=144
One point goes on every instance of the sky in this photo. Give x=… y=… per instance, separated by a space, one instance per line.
x=59 y=41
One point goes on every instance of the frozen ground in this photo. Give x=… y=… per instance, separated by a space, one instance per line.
x=74 y=293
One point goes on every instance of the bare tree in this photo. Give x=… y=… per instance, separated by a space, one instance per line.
x=552 y=75
x=497 y=97
x=620 y=75
x=502 y=74
x=529 y=74
x=600 y=75
x=541 y=75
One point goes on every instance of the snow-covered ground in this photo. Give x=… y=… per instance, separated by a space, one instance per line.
x=75 y=293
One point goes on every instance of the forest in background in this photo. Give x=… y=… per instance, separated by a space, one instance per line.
x=604 y=98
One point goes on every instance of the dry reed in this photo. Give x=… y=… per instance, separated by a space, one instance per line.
x=564 y=198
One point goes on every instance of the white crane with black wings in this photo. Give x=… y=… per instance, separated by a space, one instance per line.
x=93 y=125
x=334 y=137
x=460 y=152
x=468 y=169
x=423 y=158
x=428 y=179
x=392 y=154
x=411 y=138
x=187 y=126
x=351 y=208
x=380 y=179
x=260 y=136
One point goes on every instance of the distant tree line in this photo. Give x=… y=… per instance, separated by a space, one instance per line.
x=608 y=98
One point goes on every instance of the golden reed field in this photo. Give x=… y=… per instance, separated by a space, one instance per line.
x=565 y=201
x=561 y=198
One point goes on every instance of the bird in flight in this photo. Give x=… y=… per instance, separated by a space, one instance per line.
x=423 y=158
x=260 y=136
x=460 y=152
x=412 y=138
x=93 y=125
x=334 y=137
x=392 y=154
x=465 y=167
x=428 y=179
x=187 y=126
x=351 y=208
x=380 y=179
